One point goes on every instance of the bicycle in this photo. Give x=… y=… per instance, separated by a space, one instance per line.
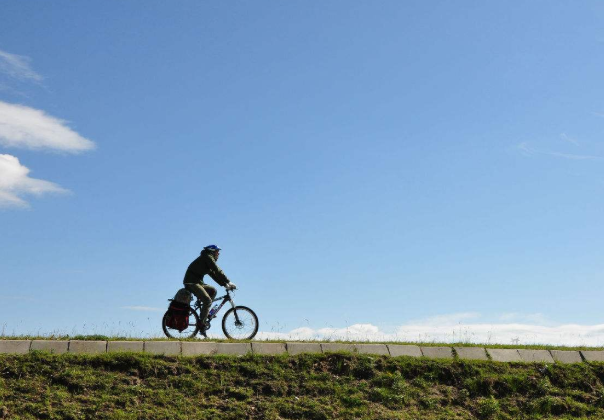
x=238 y=323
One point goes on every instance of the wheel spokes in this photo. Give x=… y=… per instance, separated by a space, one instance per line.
x=240 y=325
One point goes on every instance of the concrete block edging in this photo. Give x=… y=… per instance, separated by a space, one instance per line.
x=537 y=356
x=294 y=348
x=504 y=355
x=125 y=346
x=563 y=356
x=437 y=352
x=87 y=347
x=187 y=348
x=471 y=353
x=15 y=346
x=408 y=350
x=268 y=348
x=198 y=348
x=374 y=349
x=51 y=346
x=237 y=349
x=593 y=355
x=338 y=347
x=171 y=348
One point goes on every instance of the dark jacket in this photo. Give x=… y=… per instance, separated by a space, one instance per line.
x=205 y=264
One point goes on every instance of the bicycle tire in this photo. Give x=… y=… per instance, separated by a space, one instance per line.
x=174 y=333
x=229 y=320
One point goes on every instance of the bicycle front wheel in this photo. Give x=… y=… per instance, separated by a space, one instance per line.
x=240 y=323
x=191 y=327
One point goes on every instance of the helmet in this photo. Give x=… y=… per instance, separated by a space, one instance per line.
x=211 y=248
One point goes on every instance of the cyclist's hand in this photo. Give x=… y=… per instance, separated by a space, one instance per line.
x=231 y=286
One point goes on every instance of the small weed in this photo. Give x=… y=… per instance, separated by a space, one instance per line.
x=488 y=408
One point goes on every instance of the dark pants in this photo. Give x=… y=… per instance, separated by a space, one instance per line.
x=205 y=293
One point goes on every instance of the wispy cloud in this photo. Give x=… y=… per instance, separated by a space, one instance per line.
x=449 y=319
x=536 y=318
x=30 y=128
x=598 y=114
x=569 y=139
x=142 y=308
x=574 y=157
x=15 y=183
x=18 y=298
x=527 y=150
x=435 y=330
x=17 y=67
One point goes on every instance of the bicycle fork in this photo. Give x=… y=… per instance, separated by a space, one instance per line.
x=237 y=321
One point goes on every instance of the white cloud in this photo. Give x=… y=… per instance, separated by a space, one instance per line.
x=17 y=66
x=449 y=329
x=30 y=128
x=142 y=308
x=15 y=182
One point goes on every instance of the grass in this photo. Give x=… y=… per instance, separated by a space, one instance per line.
x=314 y=386
x=425 y=344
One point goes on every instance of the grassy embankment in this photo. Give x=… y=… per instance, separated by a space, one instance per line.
x=314 y=386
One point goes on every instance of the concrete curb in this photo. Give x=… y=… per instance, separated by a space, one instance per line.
x=437 y=352
x=125 y=346
x=397 y=350
x=562 y=356
x=167 y=348
x=15 y=346
x=541 y=356
x=51 y=346
x=471 y=353
x=238 y=349
x=377 y=349
x=504 y=355
x=338 y=347
x=593 y=355
x=268 y=348
x=87 y=347
x=192 y=348
x=197 y=349
x=299 y=348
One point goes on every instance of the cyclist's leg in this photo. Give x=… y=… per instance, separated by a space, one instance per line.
x=201 y=294
x=210 y=291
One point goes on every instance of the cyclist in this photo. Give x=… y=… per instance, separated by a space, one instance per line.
x=193 y=281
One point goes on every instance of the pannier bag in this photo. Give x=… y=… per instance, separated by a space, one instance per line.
x=178 y=318
x=183 y=296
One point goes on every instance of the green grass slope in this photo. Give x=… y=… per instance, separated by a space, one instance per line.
x=321 y=386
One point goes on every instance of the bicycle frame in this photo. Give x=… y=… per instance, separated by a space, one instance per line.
x=226 y=298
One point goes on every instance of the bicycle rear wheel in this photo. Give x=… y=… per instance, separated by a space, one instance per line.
x=240 y=323
x=189 y=332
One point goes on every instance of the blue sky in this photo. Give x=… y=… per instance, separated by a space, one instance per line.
x=397 y=169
